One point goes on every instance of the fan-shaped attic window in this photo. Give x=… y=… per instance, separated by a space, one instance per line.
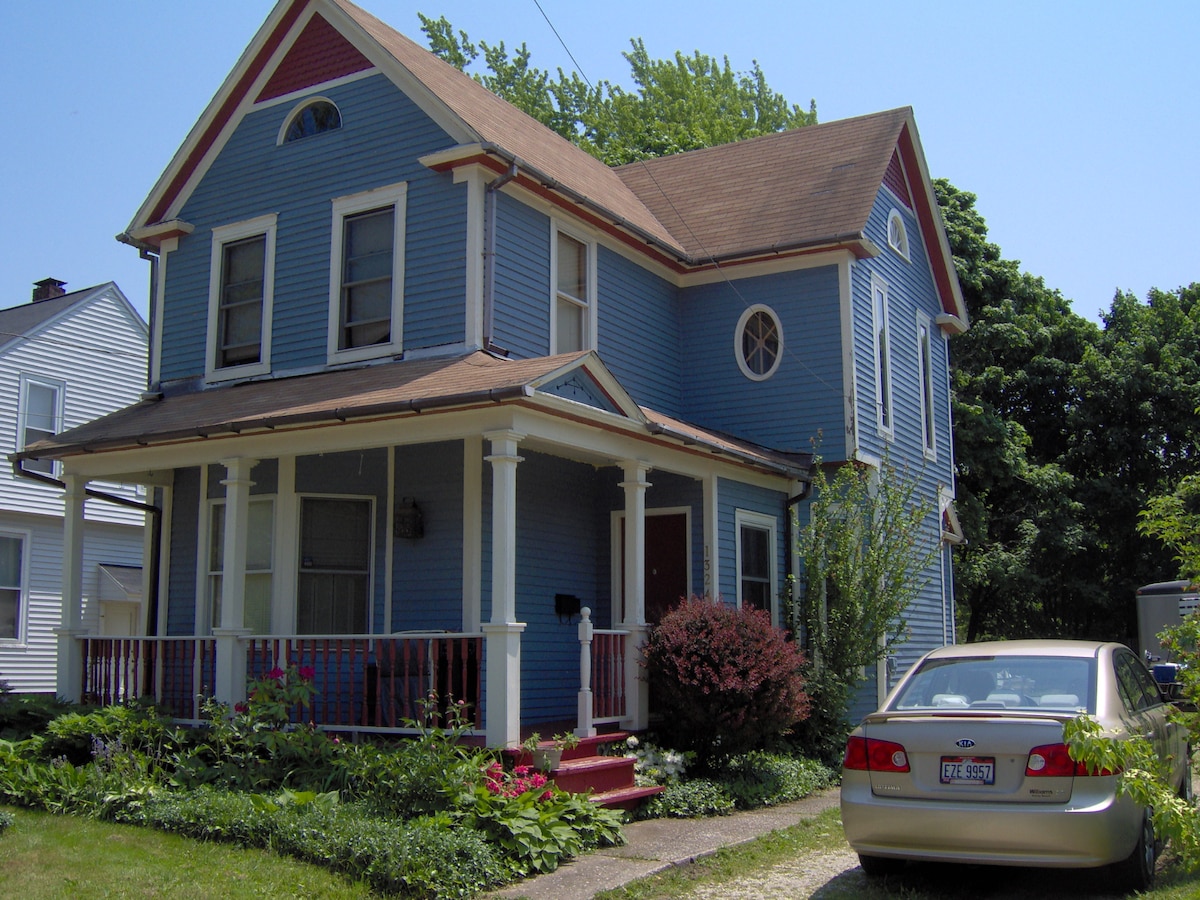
x=897 y=234
x=312 y=117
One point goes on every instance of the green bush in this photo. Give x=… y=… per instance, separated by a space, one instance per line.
x=694 y=799
x=24 y=715
x=73 y=735
x=731 y=680
x=758 y=779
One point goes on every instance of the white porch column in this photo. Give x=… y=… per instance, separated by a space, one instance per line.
x=230 y=677
x=637 y=694
x=503 y=632
x=69 y=677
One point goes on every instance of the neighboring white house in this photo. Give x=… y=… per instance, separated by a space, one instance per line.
x=65 y=359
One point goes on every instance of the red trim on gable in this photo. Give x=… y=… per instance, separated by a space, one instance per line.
x=226 y=111
x=894 y=179
x=320 y=54
x=927 y=219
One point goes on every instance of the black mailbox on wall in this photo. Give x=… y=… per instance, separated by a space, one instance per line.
x=566 y=606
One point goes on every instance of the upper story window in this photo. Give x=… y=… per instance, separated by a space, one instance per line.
x=897 y=233
x=12 y=585
x=366 y=287
x=756 y=560
x=883 y=354
x=925 y=363
x=40 y=416
x=758 y=343
x=573 y=307
x=311 y=117
x=241 y=287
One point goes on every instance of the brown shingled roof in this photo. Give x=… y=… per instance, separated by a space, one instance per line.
x=807 y=186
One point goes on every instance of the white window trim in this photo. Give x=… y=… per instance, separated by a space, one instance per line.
x=737 y=342
x=925 y=386
x=228 y=234
x=60 y=391
x=747 y=518
x=885 y=411
x=396 y=196
x=299 y=108
x=372 y=574
x=901 y=247
x=206 y=571
x=591 y=318
x=26 y=539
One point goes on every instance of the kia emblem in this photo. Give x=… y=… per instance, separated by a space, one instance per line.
x=964 y=743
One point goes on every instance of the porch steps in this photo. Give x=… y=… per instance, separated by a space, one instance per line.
x=609 y=780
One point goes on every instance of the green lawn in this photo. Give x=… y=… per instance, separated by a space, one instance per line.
x=47 y=856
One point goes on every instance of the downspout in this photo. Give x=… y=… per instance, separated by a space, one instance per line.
x=489 y=255
x=790 y=535
x=155 y=530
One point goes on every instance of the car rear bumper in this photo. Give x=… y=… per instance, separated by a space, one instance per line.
x=1092 y=829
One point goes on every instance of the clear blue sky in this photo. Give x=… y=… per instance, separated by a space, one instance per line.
x=1077 y=124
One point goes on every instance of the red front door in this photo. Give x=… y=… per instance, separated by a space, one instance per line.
x=666 y=563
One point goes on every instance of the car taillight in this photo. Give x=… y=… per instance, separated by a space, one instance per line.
x=871 y=755
x=1053 y=760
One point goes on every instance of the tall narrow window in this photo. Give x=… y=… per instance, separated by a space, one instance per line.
x=240 y=298
x=367 y=277
x=925 y=361
x=256 y=613
x=883 y=355
x=573 y=306
x=12 y=592
x=40 y=417
x=755 y=560
x=335 y=566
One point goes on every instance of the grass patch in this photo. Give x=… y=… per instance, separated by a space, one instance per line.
x=49 y=856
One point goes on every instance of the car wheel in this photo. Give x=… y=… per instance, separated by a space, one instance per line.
x=1136 y=872
x=879 y=866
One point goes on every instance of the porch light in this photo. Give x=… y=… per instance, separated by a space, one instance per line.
x=408 y=521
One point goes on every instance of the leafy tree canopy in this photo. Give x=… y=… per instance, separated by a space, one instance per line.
x=682 y=103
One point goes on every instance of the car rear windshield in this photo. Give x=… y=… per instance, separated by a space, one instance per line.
x=1061 y=684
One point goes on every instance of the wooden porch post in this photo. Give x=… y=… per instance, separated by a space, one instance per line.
x=503 y=632
x=230 y=676
x=637 y=692
x=70 y=651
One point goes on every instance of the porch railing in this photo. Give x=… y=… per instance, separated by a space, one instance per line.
x=602 y=674
x=362 y=682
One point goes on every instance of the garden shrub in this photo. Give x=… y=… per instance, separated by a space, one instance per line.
x=758 y=779
x=24 y=715
x=730 y=678
x=693 y=799
x=134 y=725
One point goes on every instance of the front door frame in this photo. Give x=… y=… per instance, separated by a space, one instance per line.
x=617 y=575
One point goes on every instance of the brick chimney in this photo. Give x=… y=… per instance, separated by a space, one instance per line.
x=47 y=289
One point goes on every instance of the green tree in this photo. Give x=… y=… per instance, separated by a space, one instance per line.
x=682 y=103
x=863 y=551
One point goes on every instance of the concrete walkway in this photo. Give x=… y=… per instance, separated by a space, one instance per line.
x=659 y=844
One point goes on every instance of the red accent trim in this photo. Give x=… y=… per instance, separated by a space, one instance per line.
x=226 y=111
x=927 y=219
x=895 y=180
x=320 y=54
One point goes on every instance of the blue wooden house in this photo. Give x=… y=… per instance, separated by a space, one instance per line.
x=437 y=400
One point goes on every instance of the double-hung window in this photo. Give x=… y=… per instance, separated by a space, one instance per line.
x=883 y=355
x=573 y=306
x=756 y=560
x=40 y=417
x=256 y=611
x=12 y=585
x=335 y=565
x=925 y=363
x=366 y=284
x=241 y=288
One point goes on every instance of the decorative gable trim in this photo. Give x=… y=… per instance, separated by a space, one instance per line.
x=318 y=55
x=895 y=181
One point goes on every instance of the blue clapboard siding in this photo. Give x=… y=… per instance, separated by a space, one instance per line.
x=558 y=548
x=357 y=473
x=382 y=136
x=638 y=332
x=521 y=321
x=182 y=537
x=427 y=572
x=803 y=399
x=732 y=496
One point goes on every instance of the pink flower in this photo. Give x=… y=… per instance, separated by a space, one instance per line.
x=276 y=673
x=242 y=707
x=308 y=673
